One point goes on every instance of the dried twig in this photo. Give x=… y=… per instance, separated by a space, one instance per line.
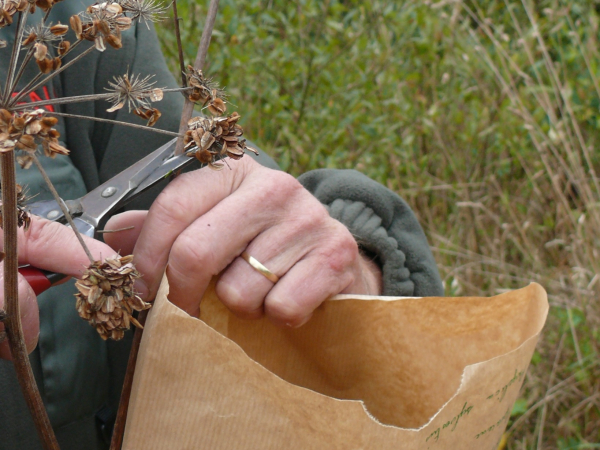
x=14 y=55
x=12 y=322
x=188 y=106
x=119 y=428
x=79 y=99
x=179 y=46
x=63 y=208
x=117 y=122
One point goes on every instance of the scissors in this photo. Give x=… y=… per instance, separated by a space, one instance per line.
x=89 y=210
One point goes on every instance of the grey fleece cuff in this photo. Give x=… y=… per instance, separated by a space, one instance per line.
x=383 y=224
x=366 y=228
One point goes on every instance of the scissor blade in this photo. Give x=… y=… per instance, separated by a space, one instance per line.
x=109 y=196
x=168 y=168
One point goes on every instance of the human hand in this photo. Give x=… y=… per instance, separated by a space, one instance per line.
x=49 y=246
x=203 y=221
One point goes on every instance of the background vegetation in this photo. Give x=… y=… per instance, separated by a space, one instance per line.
x=484 y=115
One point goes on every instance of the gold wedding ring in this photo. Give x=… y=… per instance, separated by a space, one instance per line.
x=256 y=265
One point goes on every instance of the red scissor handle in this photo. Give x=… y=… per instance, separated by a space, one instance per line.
x=40 y=280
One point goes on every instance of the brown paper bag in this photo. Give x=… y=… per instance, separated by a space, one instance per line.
x=363 y=373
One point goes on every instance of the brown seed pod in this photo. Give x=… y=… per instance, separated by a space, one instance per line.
x=40 y=51
x=53 y=148
x=25 y=161
x=217 y=107
x=114 y=41
x=45 y=65
x=30 y=39
x=44 y=4
x=6 y=18
x=59 y=29
x=63 y=47
x=102 y=26
x=76 y=26
x=27 y=143
x=150 y=114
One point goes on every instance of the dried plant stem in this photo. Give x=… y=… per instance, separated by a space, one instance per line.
x=12 y=322
x=81 y=98
x=188 y=106
x=179 y=46
x=13 y=57
x=119 y=428
x=63 y=208
x=117 y=122
x=19 y=74
x=35 y=79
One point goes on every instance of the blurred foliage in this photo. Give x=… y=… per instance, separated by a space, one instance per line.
x=482 y=114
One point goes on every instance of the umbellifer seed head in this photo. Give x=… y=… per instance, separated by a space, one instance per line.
x=106 y=298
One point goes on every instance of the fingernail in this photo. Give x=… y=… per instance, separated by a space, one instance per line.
x=299 y=324
x=141 y=289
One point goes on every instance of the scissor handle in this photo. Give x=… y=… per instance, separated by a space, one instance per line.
x=40 y=280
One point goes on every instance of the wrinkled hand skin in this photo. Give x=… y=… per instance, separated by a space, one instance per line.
x=202 y=222
x=49 y=246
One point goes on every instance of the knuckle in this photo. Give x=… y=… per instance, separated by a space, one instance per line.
x=278 y=187
x=170 y=205
x=188 y=256
x=41 y=235
x=241 y=305
x=341 y=250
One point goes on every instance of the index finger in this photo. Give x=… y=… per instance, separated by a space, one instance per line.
x=52 y=246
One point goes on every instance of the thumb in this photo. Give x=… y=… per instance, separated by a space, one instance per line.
x=29 y=312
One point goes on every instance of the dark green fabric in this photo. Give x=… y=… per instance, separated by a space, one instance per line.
x=79 y=374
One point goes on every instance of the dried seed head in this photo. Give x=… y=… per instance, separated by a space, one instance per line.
x=26 y=130
x=211 y=140
x=42 y=36
x=106 y=298
x=206 y=91
x=101 y=23
x=135 y=92
x=144 y=10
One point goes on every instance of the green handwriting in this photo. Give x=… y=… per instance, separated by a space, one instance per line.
x=500 y=393
x=493 y=426
x=452 y=424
